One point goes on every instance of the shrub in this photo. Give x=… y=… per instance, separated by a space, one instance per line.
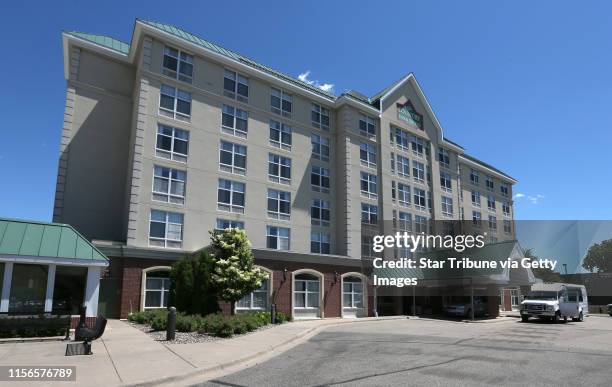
x=188 y=323
x=147 y=316
x=283 y=317
x=190 y=285
x=159 y=322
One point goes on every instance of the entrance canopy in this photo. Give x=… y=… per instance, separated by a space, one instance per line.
x=47 y=268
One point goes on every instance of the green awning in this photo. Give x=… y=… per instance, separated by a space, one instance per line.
x=45 y=240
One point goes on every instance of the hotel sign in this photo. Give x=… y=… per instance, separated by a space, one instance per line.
x=407 y=113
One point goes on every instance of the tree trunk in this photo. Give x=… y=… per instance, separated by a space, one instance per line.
x=233 y=308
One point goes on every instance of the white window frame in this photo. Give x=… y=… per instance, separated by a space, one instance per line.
x=369 y=213
x=270 y=233
x=476 y=218
x=231 y=206
x=282 y=96
x=418 y=171
x=167 y=242
x=182 y=57
x=493 y=223
x=403 y=194
x=283 y=164
x=171 y=154
x=447 y=206
x=403 y=166
x=446 y=182
x=143 y=286
x=491 y=206
x=418 y=146
x=474 y=176
x=239 y=224
x=353 y=293
x=504 y=188
x=277 y=197
x=237 y=79
x=251 y=296
x=444 y=157
x=323 y=175
x=419 y=195
x=506 y=208
x=402 y=139
x=369 y=151
x=280 y=130
x=320 y=239
x=176 y=96
x=236 y=114
x=168 y=196
x=489 y=183
x=421 y=224
x=322 y=143
x=232 y=168
x=371 y=185
x=306 y=292
x=404 y=221
x=369 y=129
x=320 y=111
x=320 y=206
x=476 y=200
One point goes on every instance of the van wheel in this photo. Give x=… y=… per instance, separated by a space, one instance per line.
x=526 y=318
x=555 y=319
x=580 y=317
x=564 y=319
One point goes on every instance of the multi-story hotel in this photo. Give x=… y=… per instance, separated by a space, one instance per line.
x=171 y=136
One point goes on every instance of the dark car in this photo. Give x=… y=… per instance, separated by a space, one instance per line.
x=462 y=307
x=610 y=309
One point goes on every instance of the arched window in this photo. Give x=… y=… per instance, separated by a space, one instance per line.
x=155 y=287
x=307 y=291
x=353 y=295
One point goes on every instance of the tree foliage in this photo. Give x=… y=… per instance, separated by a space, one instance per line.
x=191 y=290
x=599 y=257
x=545 y=274
x=233 y=272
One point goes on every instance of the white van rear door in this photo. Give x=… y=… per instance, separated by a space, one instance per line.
x=568 y=305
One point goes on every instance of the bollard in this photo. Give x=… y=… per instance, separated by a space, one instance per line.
x=273 y=313
x=171 y=324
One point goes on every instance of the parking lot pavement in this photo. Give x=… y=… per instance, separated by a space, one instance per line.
x=429 y=352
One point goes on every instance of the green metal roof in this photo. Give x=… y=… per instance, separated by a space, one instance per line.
x=47 y=240
x=103 y=40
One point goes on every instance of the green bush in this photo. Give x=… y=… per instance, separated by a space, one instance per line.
x=147 y=316
x=159 y=322
x=188 y=323
x=283 y=317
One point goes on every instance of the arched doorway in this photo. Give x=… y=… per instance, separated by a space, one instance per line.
x=307 y=294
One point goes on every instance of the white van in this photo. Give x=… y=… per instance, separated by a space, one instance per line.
x=555 y=301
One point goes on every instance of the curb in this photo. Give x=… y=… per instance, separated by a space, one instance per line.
x=302 y=335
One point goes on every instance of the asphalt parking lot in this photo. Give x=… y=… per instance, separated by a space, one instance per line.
x=430 y=352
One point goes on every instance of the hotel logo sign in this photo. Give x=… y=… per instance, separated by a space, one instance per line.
x=407 y=113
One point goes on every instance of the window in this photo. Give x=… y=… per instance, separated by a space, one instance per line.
x=232 y=158
x=177 y=64
x=320 y=147
x=419 y=199
x=307 y=293
x=402 y=139
x=279 y=169
x=447 y=206
x=403 y=166
x=369 y=213
x=169 y=185
x=474 y=176
x=403 y=194
x=393 y=189
x=166 y=229
x=234 y=121
x=277 y=238
x=420 y=224
x=418 y=146
x=172 y=143
x=222 y=224
x=230 y=196
x=367 y=246
x=28 y=289
x=157 y=289
x=279 y=204
x=319 y=178
x=368 y=185
x=445 y=182
x=236 y=86
x=418 y=171
x=476 y=218
x=319 y=243
x=444 y=157
x=367 y=127
x=492 y=223
x=280 y=135
x=281 y=102
x=320 y=117
x=352 y=293
x=489 y=183
x=491 y=203
x=506 y=208
x=405 y=221
x=256 y=300
x=174 y=103
x=392 y=162
x=504 y=188
x=320 y=212
x=507 y=226
x=367 y=155
x=476 y=198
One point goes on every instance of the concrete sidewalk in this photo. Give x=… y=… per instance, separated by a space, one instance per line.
x=126 y=355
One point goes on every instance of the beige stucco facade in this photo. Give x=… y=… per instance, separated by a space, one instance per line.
x=108 y=153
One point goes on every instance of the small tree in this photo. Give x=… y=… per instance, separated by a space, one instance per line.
x=599 y=257
x=233 y=273
x=191 y=290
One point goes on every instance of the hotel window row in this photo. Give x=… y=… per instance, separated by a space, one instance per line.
x=401 y=166
x=405 y=141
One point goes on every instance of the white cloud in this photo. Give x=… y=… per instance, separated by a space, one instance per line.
x=533 y=199
x=329 y=87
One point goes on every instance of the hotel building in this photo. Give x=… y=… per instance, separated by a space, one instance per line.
x=170 y=136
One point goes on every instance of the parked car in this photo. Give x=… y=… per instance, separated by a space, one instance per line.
x=555 y=301
x=610 y=309
x=462 y=306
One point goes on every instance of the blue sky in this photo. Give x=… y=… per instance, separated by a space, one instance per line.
x=522 y=85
